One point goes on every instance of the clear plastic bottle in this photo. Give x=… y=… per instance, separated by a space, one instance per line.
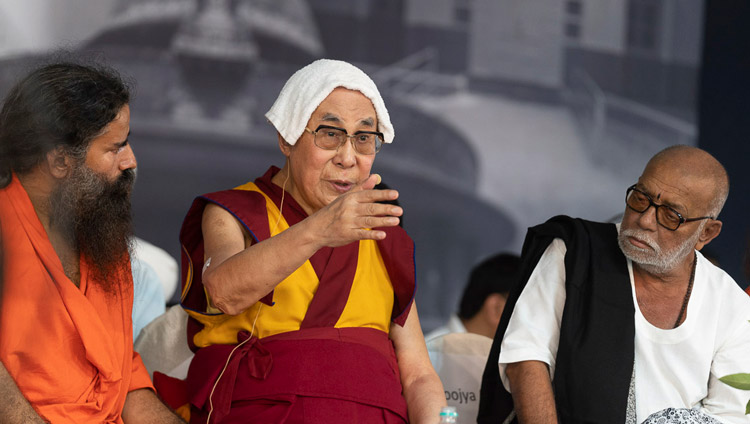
x=448 y=415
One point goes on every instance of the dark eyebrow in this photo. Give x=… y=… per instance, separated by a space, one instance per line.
x=123 y=143
x=367 y=122
x=329 y=117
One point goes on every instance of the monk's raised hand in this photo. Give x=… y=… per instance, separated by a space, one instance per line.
x=353 y=215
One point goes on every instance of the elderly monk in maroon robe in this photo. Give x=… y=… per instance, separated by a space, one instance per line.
x=301 y=284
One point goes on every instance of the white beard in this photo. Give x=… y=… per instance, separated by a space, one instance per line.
x=656 y=261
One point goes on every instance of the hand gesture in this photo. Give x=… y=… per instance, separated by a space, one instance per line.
x=352 y=215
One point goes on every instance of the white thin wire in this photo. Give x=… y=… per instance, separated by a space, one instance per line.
x=260 y=305
x=210 y=396
x=281 y=204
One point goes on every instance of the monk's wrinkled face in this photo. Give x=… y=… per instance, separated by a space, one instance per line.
x=319 y=176
x=649 y=244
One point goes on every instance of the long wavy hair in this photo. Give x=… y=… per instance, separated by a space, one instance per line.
x=57 y=105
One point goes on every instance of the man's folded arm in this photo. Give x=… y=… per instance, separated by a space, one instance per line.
x=531 y=388
x=14 y=408
x=142 y=406
x=529 y=346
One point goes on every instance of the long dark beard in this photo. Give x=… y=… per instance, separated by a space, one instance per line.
x=96 y=215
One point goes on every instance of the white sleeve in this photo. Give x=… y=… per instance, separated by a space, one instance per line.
x=723 y=401
x=533 y=331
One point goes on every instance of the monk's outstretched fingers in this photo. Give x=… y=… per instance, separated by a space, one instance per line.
x=378 y=221
x=371 y=208
x=374 y=196
x=390 y=221
x=379 y=209
x=395 y=211
x=390 y=194
x=365 y=234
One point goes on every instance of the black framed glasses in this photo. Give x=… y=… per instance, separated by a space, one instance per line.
x=665 y=215
x=331 y=138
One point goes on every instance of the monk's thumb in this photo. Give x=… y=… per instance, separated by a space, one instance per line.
x=370 y=182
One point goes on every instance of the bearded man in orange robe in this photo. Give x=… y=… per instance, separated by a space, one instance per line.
x=66 y=173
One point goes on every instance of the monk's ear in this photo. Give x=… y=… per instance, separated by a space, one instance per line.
x=709 y=232
x=59 y=163
x=285 y=147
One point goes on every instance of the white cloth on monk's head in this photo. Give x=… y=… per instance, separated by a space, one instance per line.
x=308 y=87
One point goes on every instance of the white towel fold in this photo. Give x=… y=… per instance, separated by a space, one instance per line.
x=308 y=87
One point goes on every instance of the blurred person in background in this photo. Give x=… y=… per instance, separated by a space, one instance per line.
x=484 y=297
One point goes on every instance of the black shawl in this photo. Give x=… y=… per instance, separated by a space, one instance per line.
x=594 y=360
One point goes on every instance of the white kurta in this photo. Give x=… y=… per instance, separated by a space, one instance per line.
x=676 y=368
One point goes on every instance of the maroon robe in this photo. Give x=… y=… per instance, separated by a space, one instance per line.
x=318 y=373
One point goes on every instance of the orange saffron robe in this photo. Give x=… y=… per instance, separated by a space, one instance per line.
x=69 y=349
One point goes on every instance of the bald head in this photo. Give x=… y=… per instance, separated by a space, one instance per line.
x=694 y=165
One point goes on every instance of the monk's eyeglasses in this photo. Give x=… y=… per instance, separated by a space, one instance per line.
x=331 y=138
x=665 y=215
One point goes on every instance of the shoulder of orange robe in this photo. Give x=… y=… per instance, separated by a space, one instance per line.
x=92 y=315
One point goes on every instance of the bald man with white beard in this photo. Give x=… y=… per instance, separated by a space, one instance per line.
x=628 y=322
